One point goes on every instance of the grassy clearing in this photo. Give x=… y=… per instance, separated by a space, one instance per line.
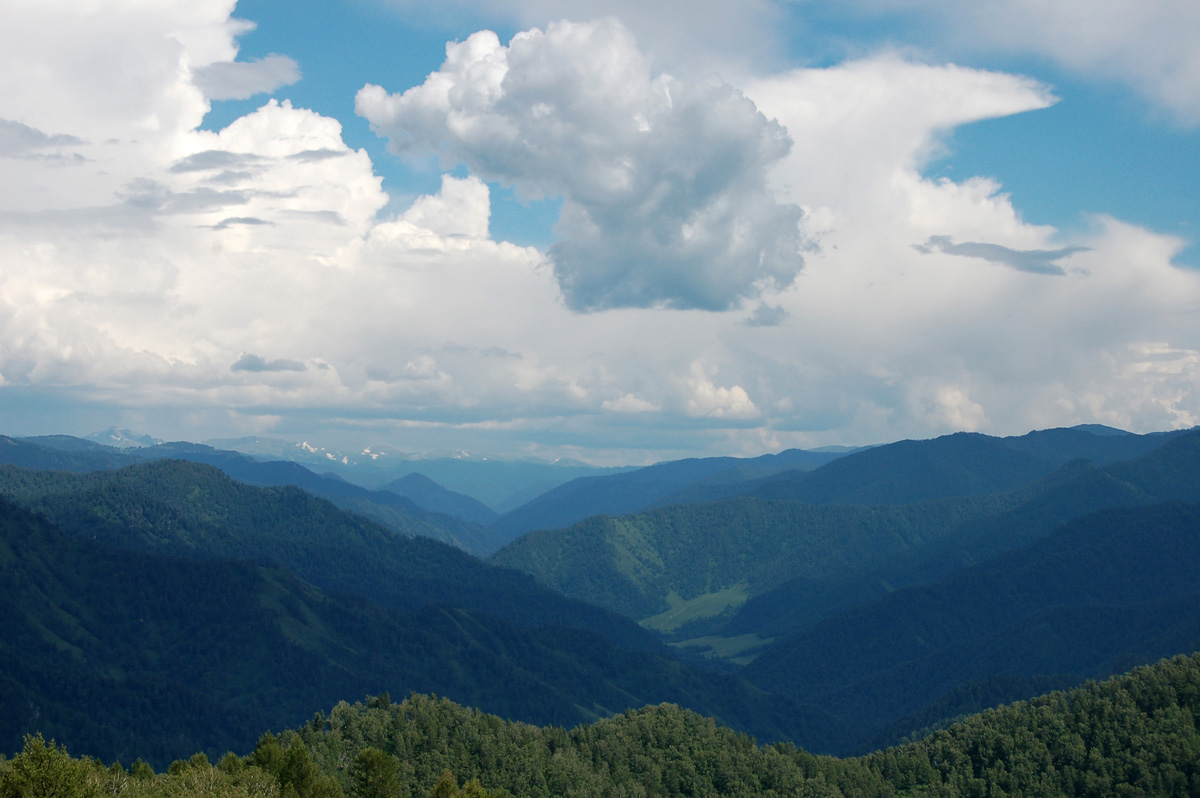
x=741 y=649
x=681 y=611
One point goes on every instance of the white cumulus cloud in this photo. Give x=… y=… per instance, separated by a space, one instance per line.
x=663 y=181
x=706 y=399
x=138 y=276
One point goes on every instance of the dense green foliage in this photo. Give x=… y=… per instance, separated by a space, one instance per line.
x=1110 y=587
x=188 y=609
x=961 y=464
x=642 y=488
x=193 y=510
x=1135 y=735
x=800 y=563
x=631 y=564
x=391 y=509
x=123 y=652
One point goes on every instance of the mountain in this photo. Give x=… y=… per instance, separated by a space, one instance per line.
x=1109 y=588
x=120 y=438
x=727 y=577
x=500 y=483
x=124 y=654
x=962 y=464
x=61 y=453
x=393 y=510
x=620 y=494
x=194 y=510
x=399 y=514
x=427 y=494
x=676 y=565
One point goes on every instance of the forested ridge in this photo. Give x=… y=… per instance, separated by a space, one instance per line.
x=1133 y=735
x=798 y=563
x=119 y=650
x=389 y=508
x=163 y=608
x=194 y=510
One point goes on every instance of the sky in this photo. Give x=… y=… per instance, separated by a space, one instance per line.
x=619 y=232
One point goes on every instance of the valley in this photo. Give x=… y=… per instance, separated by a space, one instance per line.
x=842 y=606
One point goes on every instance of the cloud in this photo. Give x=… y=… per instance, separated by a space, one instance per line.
x=241 y=80
x=18 y=140
x=133 y=282
x=210 y=160
x=767 y=316
x=256 y=364
x=239 y=220
x=628 y=403
x=663 y=181
x=1036 y=261
x=461 y=208
x=708 y=400
x=1148 y=45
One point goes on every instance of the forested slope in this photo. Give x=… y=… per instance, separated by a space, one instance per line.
x=774 y=568
x=123 y=653
x=398 y=513
x=1134 y=735
x=631 y=491
x=962 y=464
x=194 y=510
x=1106 y=589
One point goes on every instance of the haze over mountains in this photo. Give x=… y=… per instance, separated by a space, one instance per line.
x=834 y=599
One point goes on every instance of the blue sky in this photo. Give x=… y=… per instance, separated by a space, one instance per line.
x=1049 y=160
x=598 y=228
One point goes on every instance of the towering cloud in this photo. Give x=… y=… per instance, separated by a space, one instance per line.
x=663 y=181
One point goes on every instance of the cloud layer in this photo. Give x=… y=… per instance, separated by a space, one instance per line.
x=211 y=283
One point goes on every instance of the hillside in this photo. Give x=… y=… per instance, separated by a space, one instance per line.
x=631 y=491
x=427 y=494
x=121 y=654
x=1133 y=735
x=669 y=566
x=193 y=510
x=962 y=464
x=1107 y=589
x=1170 y=472
x=398 y=513
x=731 y=575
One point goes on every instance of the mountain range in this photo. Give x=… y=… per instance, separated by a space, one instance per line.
x=838 y=600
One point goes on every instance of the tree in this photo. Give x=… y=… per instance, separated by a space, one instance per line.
x=375 y=774
x=45 y=770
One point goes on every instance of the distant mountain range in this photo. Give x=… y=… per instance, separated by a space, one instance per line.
x=840 y=600
x=501 y=483
x=619 y=494
x=121 y=438
x=785 y=586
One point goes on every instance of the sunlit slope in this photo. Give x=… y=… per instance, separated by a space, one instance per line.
x=756 y=567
